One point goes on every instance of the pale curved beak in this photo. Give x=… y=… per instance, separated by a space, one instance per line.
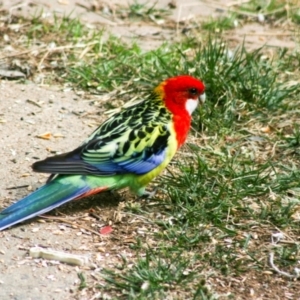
x=202 y=98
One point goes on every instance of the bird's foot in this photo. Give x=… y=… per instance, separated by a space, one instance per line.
x=148 y=195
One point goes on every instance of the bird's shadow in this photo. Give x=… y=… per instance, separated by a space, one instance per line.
x=102 y=202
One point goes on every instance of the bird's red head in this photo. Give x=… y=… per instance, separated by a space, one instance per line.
x=181 y=94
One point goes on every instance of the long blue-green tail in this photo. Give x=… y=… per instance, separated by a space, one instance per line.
x=53 y=194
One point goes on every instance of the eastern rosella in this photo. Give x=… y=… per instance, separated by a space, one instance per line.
x=127 y=150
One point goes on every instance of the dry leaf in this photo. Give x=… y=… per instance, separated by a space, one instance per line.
x=45 y=136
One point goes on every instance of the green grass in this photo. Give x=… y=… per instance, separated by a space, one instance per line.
x=144 y=11
x=220 y=24
x=82 y=284
x=234 y=183
x=274 y=10
x=154 y=274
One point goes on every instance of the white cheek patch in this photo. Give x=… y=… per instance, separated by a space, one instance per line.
x=202 y=98
x=191 y=105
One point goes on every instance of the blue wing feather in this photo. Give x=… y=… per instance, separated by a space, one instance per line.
x=143 y=166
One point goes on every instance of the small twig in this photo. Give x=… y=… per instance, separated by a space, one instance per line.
x=145 y=219
x=285 y=274
x=239 y=2
x=62 y=48
x=70 y=223
x=229 y=9
x=271 y=33
x=280 y=10
x=34 y=102
x=45 y=48
x=17 y=187
x=95 y=216
x=21 y=53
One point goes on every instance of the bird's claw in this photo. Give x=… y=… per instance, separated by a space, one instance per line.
x=149 y=195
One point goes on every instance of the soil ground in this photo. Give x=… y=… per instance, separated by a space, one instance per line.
x=31 y=110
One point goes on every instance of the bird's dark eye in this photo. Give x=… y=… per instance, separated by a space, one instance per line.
x=193 y=91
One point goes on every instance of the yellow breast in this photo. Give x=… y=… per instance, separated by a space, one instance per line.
x=143 y=180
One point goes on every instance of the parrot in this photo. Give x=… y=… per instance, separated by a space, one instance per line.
x=129 y=149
